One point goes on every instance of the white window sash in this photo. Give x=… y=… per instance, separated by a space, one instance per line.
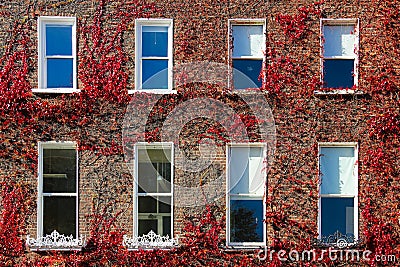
x=139 y=58
x=156 y=145
x=339 y=22
x=42 y=57
x=244 y=22
x=354 y=196
x=41 y=194
x=251 y=196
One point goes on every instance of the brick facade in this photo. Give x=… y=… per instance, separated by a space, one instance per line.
x=200 y=34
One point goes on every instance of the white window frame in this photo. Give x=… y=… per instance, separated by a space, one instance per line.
x=339 y=22
x=41 y=195
x=245 y=197
x=42 y=58
x=355 y=196
x=244 y=22
x=138 y=54
x=156 y=145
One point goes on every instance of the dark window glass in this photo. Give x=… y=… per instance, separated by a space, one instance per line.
x=59 y=170
x=246 y=221
x=156 y=211
x=338 y=73
x=166 y=225
x=58 y=40
x=337 y=214
x=147 y=225
x=59 y=213
x=60 y=73
x=164 y=204
x=246 y=73
x=147 y=205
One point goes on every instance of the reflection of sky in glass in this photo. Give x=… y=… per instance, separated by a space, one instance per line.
x=58 y=40
x=339 y=40
x=333 y=215
x=59 y=73
x=250 y=69
x=256 y=208
x=154 y=41
x=338 y=73
x=247 y=40
x=156 y=67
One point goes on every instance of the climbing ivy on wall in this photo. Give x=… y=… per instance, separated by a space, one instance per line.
x=291 y=75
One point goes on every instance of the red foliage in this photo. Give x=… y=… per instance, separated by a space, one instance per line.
x=104 y=77
x=12 y=221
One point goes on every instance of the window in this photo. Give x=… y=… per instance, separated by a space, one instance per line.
x=153 y=187
x=245 y=195
x=58 y=190
x=338 y=204
x=57 y=55
x=247 y=53
x=153 y=55
x=340 y=45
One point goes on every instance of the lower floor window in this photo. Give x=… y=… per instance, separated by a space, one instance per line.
x=58 y=188
x=338 y=205
x=153 y=187
x=245 y=198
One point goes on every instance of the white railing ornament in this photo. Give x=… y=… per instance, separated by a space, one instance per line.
x=56 y=241
x=149 y=241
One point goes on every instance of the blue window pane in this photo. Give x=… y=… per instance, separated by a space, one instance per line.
x=155 y=74
x=246 y=221
x=154 y=41
x=58 y=40
x=246 y=73
x=337 y=214
x=60 y=73
x=338 y=73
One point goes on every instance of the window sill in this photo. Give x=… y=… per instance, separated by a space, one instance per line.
x=338 y=92
x=153 y=91
x=56 y=90
x=37 y=249
x=56 y=241
x=247 y=91
x=150 y=241
x=247 y=246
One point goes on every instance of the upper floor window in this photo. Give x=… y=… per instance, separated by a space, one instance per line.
x=338 y=206
x=153 y=55
x=58 y=189
x=247 y=52
x=246 y=179
x=57 y=54
x=340 y=60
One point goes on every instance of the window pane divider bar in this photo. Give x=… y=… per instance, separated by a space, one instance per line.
x=60 y=194
x=149 y=58
x=60 y=56
x=339 y=57
x=337 y=195
x=247 y=57
x=246 y=195
x=154 y=194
